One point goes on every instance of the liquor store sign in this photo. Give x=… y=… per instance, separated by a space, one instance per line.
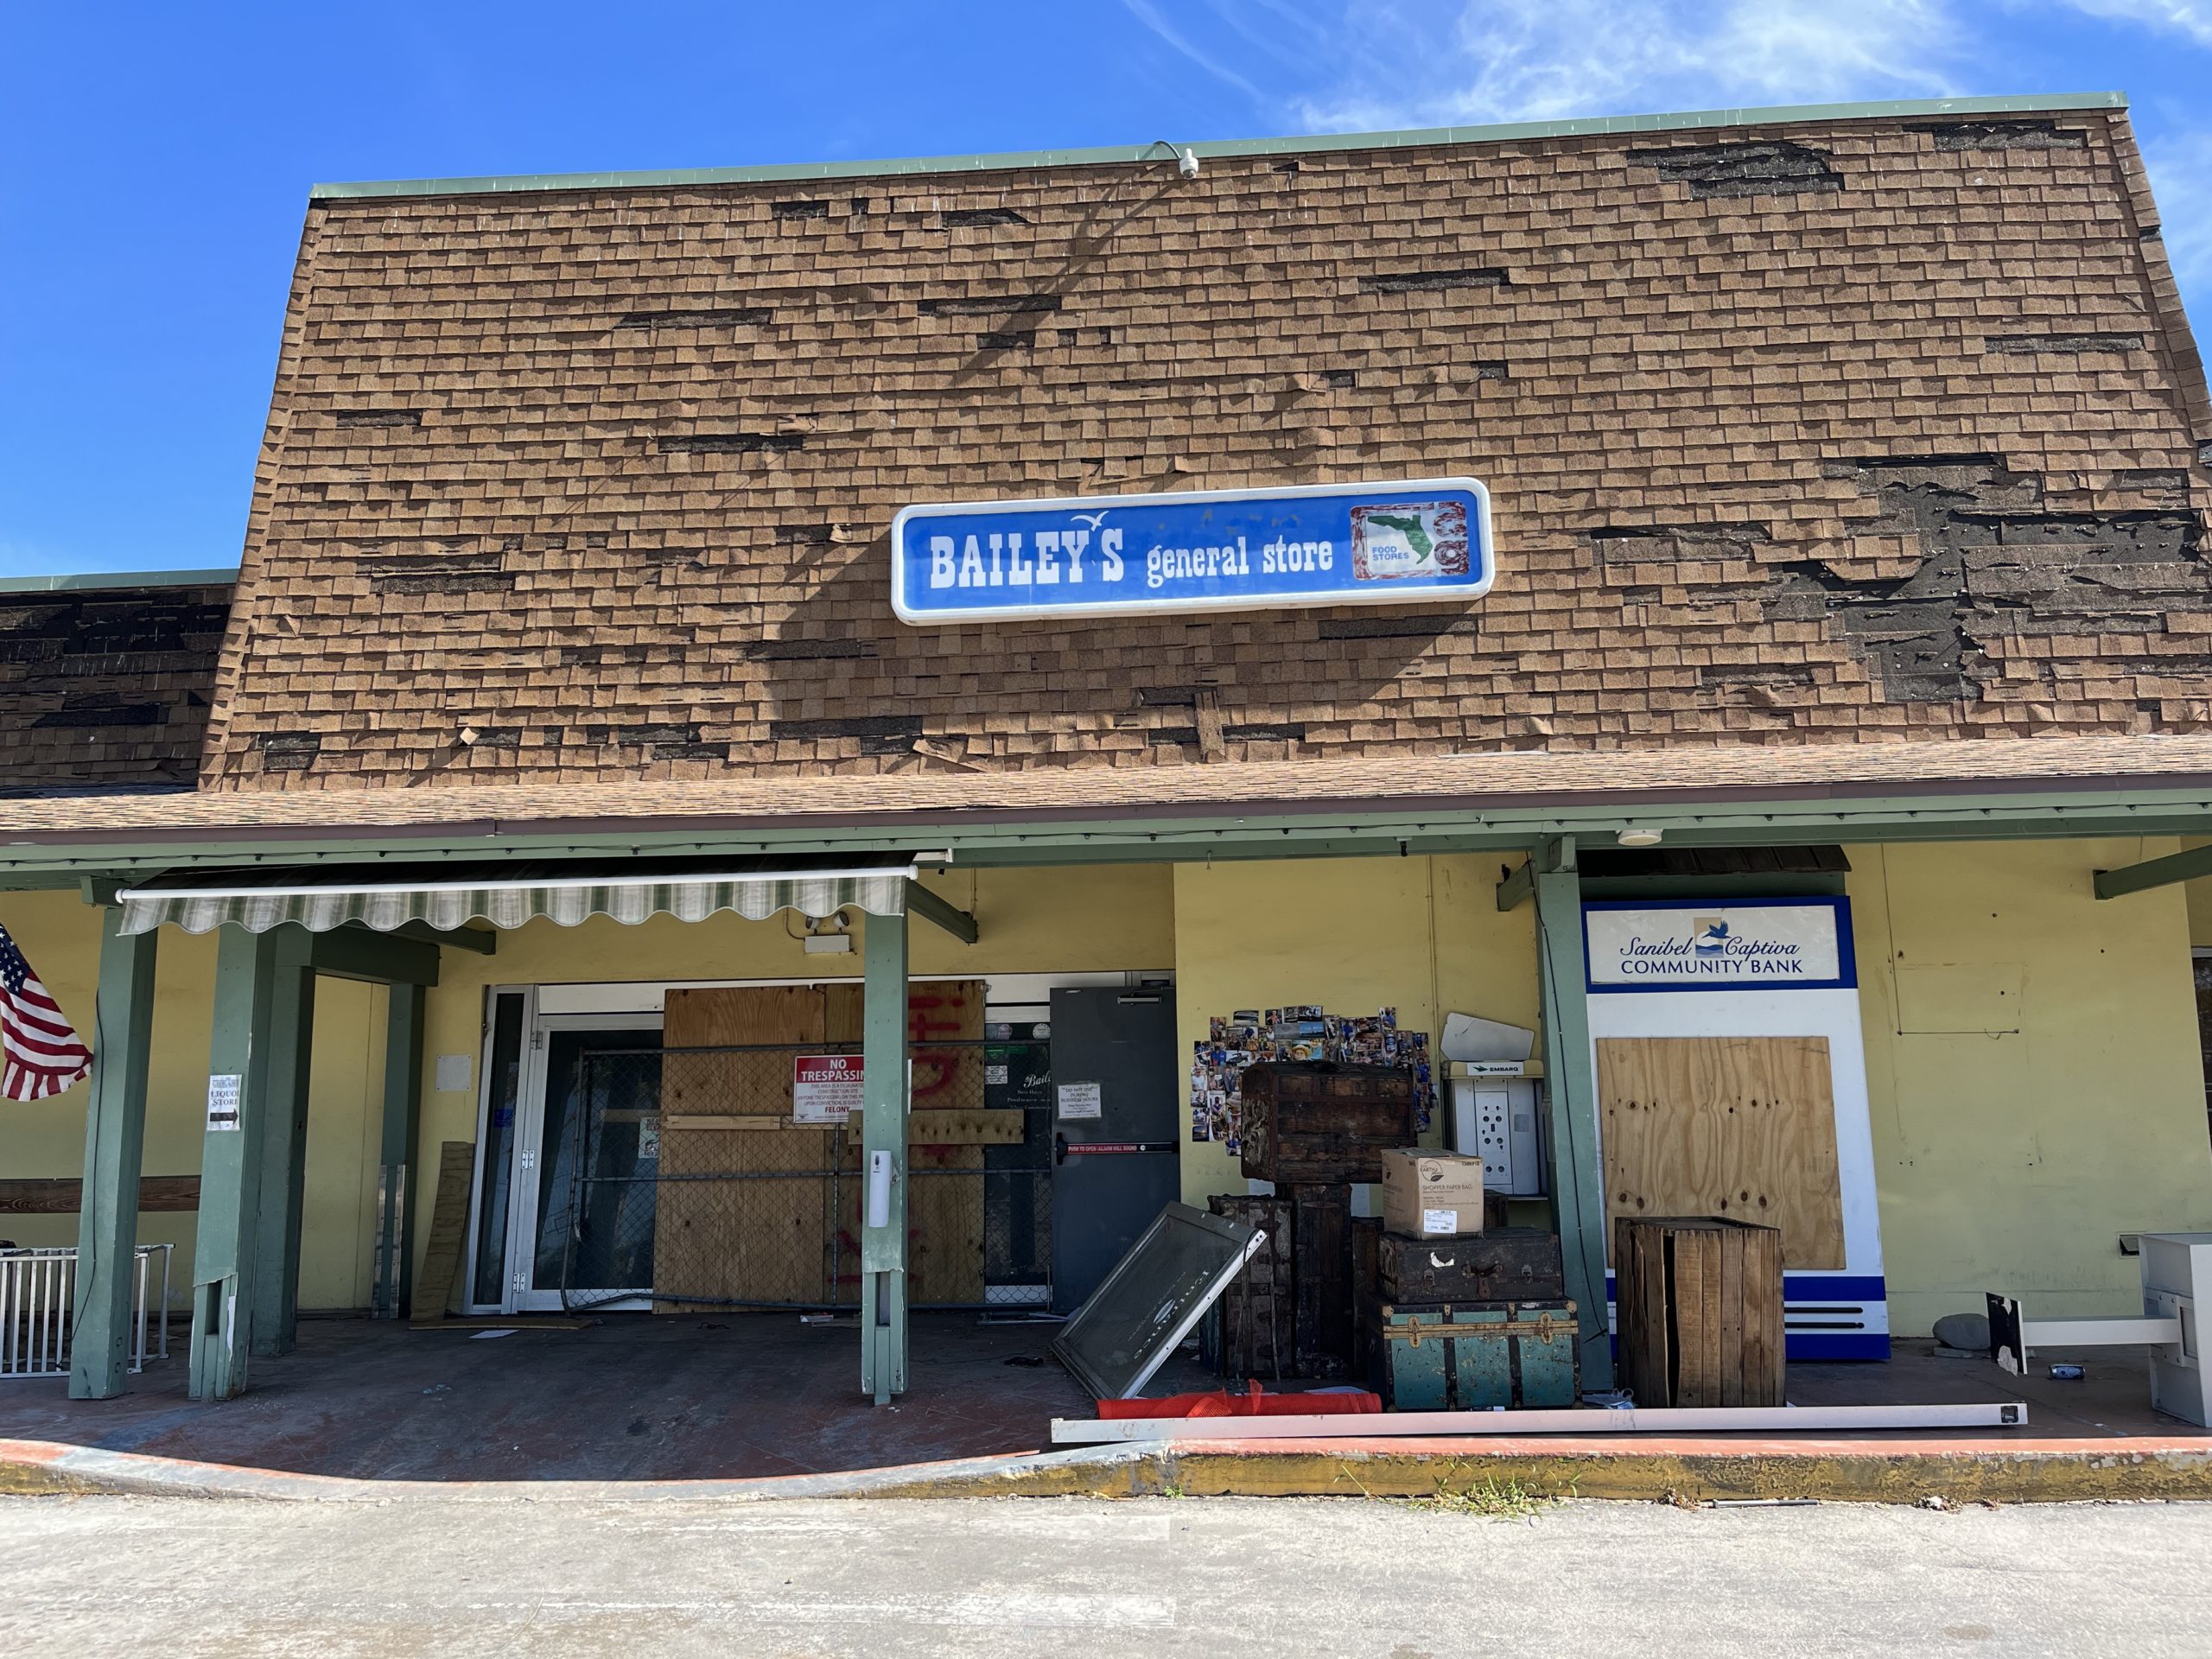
x=1409 y=542
x=1699 y=944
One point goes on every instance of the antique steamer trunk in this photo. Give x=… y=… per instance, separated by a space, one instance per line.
x=1477 y=1357
x=1514 y=1264
x=1250 y=1333
x=1321 y=1122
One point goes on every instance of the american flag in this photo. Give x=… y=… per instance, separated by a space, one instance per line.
x=42 y=1052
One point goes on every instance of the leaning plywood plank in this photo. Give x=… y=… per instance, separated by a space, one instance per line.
x=1738 y=1127
x=434 y=1285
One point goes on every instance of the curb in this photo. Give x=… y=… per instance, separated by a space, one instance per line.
x=1683 y=1471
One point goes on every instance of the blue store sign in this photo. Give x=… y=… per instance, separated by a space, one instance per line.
x=1416 y=540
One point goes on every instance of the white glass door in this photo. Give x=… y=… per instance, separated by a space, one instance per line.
x=586 y=1164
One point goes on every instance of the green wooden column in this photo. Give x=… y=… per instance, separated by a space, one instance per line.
x=284 y=1146
x=1571 y=1091
x=115 y=1139
x=883 y=1130
x=226 y=1252
x=402 y=1126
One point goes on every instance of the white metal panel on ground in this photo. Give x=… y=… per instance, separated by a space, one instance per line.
x=1724 y=1420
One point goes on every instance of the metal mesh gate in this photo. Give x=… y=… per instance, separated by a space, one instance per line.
x=690 y=1177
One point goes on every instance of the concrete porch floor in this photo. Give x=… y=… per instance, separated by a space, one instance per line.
x=635 y=1398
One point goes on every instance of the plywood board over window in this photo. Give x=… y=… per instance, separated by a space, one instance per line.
x=785 y=1229
x=1742 y=1127
x=762 y=1235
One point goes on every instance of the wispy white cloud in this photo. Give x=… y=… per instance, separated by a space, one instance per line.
x=1540 y=59
x=1146 y=13
x=2191 y=17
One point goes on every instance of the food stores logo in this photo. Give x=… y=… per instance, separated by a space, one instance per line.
x=1712 y=949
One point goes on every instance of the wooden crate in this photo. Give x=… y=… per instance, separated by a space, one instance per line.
x=1309 y=1122
x=1700 y=1301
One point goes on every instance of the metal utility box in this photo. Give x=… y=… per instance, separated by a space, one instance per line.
x=1500 y=1120
x=2173 y=1265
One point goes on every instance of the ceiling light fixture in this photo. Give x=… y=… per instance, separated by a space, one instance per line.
x=1637 y=835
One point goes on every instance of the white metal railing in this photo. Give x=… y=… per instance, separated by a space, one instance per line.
x=38 y=1300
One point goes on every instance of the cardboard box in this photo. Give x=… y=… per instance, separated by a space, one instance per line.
x=1432 y=1194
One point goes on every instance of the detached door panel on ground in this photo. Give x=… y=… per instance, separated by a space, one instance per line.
x=1114 y=1085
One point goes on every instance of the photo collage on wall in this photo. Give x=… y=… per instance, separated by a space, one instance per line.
x=1298 y=1033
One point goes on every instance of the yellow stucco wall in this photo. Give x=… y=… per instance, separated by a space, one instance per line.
x=1423 y=935
x=60 y=935
x=2012 y=1147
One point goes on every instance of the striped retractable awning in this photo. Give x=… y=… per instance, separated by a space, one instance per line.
x=448 y=896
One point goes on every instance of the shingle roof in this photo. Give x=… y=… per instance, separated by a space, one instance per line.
x=1825 y=433
x=105 y=682
x=1634 y=779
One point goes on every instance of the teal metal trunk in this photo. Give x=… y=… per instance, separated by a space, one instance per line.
x=1476 y=1356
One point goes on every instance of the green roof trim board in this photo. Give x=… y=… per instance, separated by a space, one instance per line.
x=1126 y=155
x=100 y=581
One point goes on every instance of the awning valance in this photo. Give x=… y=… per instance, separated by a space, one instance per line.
x=448 y=895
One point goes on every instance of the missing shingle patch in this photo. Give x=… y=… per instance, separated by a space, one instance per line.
x=2005 y=135
x=800 y=209
x=661 y=740
x=97 y=711
x=1428 y=282
x=983 y=305
x=1757 y=169
x=377 y=417
x=2063 y=345
x=961 y=219
x=287 y=751
x=730 y=443
x=801 y=650
x=715 y=316
x=1394 y=627
x=895 y=731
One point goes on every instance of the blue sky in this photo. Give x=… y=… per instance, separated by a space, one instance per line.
x=155 y=160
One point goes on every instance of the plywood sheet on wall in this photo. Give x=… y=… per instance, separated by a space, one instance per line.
x=1736 y=1127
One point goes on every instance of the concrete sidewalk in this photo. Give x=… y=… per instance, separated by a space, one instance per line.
x=1152 y=1579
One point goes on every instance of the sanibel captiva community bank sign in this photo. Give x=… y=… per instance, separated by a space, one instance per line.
x=1405 y=543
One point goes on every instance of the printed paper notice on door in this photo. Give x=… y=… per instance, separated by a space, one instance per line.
x=1080 y=1099
x=825 y=1087
x=223 y=1091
